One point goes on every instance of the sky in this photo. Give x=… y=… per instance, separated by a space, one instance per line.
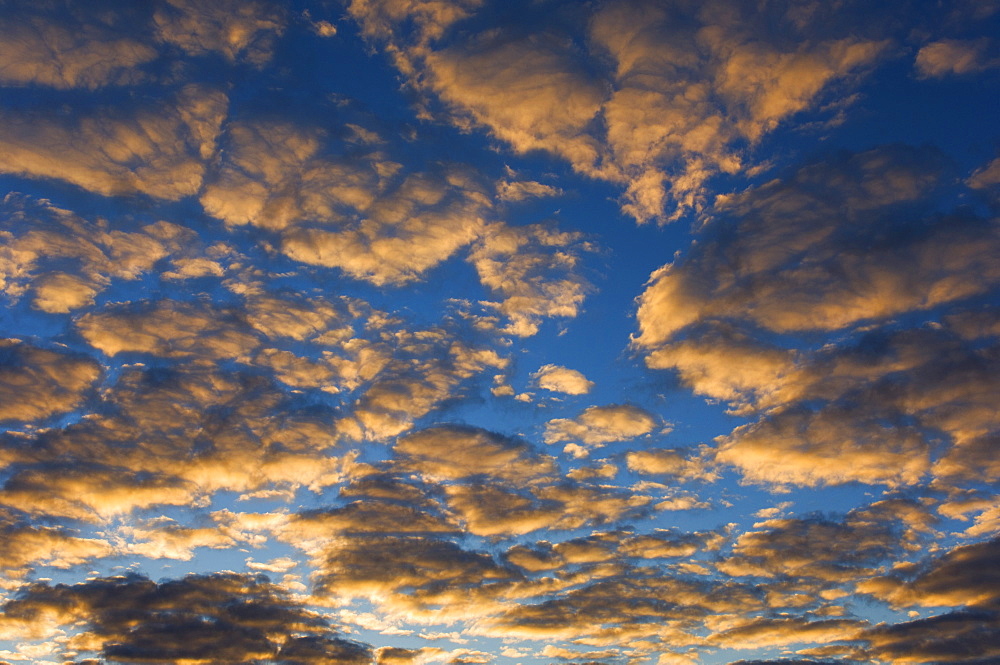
x=457 y=332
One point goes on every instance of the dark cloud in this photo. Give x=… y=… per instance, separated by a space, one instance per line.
x=968 y=637
x=966 y=575
x=218 y=618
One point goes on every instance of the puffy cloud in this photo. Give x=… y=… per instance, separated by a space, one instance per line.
x=558 y=379
x=812 y=252
x=598 y=425
x=402 y=235
x=625 y=608
x=63 y=261
x=519 y=190
x=283 y=315
x=824 y=251
x=173 y=330
x=987 y=176
x=454 y=453
x=348 y=213
x=954 y=56
x=653 y=96
x=965 y=575
x=160 y=152
x=36 y=383
x=431 y=17
x=677 y=463
x=164 y=538
x=536 y=272
x=427 y=368
x=770 y=632
x=171 y=437
x=219 y=618
x=426 y=578
x=532 y=92
x=273 y=176
x=829 y=447
x=833 y=551
x=25 y=547
x=366 y=517
x=500 y=487
x=969 y=637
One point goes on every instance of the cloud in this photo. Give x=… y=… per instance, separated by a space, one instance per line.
x=407 y=232
x=500 y=487
x=273 y=175
x=963 y=576
x=239 y=31
x=219 y=618
x=64 y=261
x=829 y=447
x=454 y=453
x=948 y=639
x=598 y=425
x=830 y=551
x=171 y=436
x=429 y=579
x=770 y=632
x=36 y=383
x=160 y=152
x=670 y=462
x=173 y=330
x=428 y=367
x=25 y=547
x=954 y=56
x=818 y=252
x=625 y=607
x=520 y=190
x=535 y=270
x=66 y=52
x=801 y=267
x=558 y=379
x=653 y=97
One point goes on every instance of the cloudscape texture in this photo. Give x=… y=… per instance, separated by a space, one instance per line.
x=459 y=332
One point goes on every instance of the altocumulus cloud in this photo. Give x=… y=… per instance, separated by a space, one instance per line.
x=271 y=272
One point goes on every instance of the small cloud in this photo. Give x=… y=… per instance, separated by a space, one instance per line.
x=598 y=425
x=556 y=378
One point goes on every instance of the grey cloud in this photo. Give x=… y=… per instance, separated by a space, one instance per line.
x=966 y=637
x=830 y=551
x=432 y=578
x=965 y=575
x=221 y=618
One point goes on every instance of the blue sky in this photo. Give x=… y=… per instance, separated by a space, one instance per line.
x=410 y=332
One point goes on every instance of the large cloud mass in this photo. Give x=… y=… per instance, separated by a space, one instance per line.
x=327 y=334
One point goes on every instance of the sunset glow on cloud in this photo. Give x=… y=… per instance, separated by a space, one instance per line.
x=418 y=332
